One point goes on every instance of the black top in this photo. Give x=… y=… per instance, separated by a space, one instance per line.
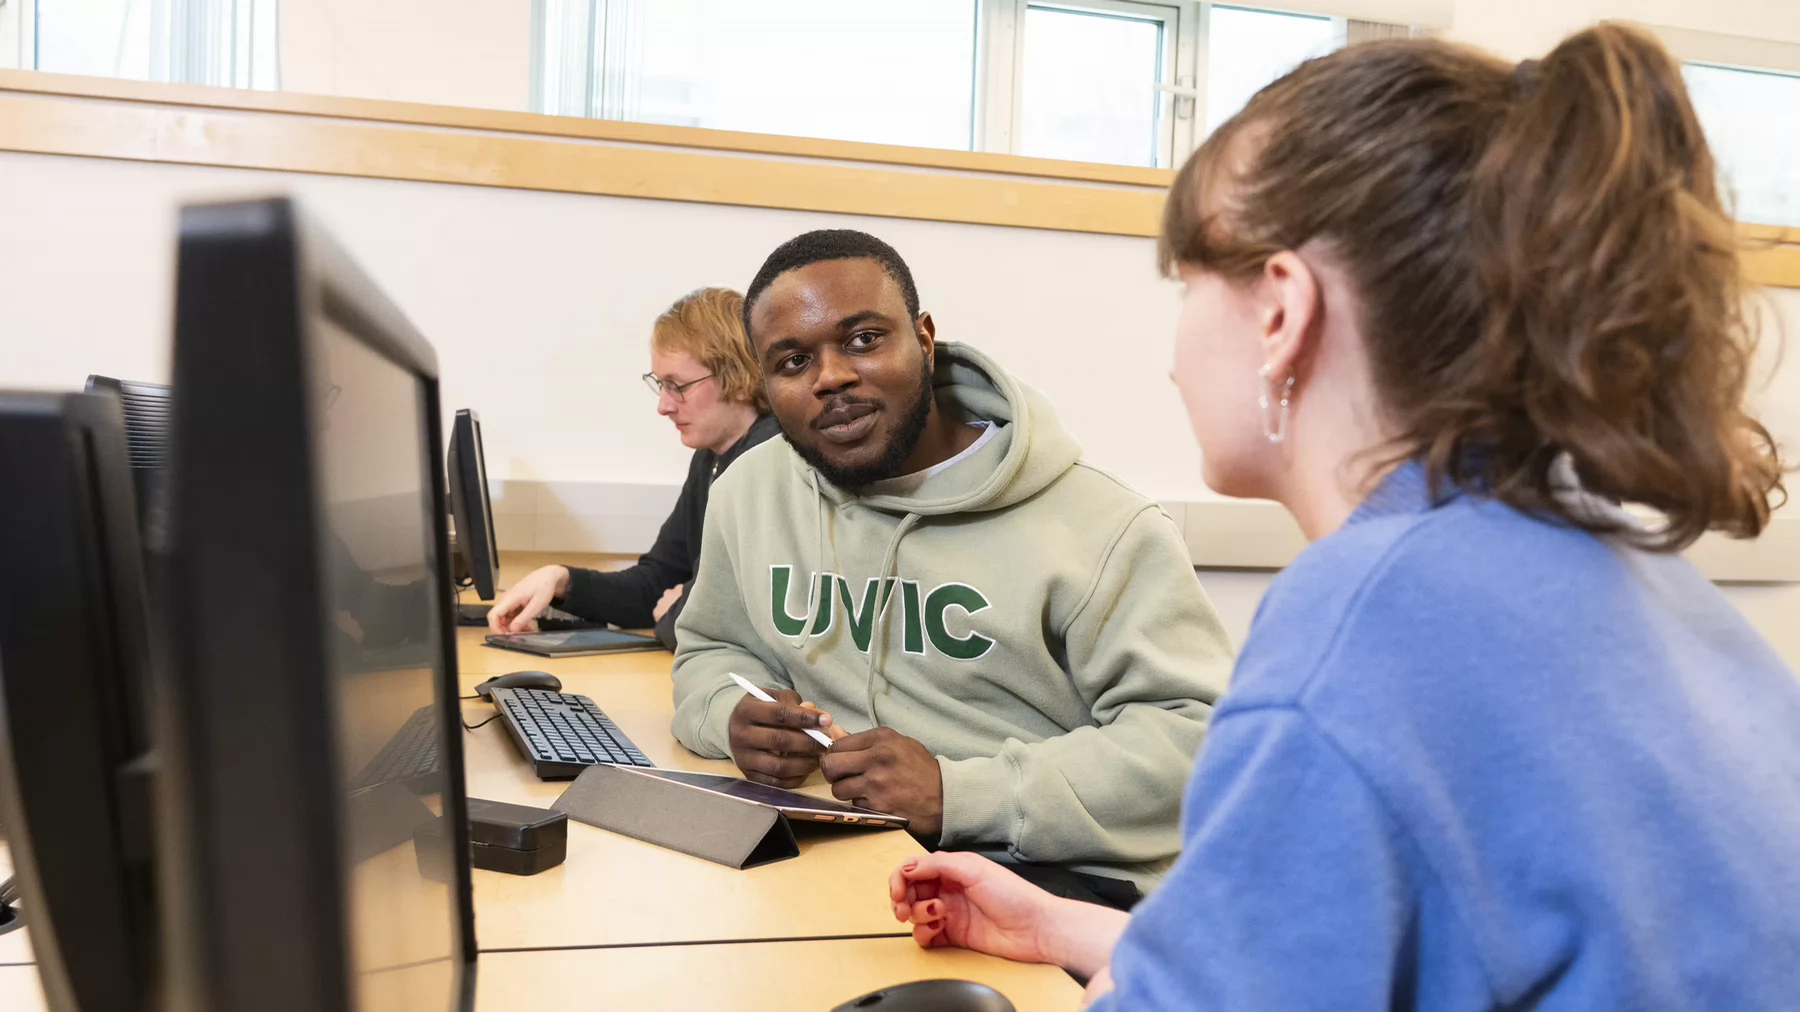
x=627 y=598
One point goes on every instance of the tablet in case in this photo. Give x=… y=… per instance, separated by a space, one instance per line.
x=574 y=643
x=705 y=825
x=727 y=820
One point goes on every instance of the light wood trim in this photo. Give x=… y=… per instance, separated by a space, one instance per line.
x=461 y=117
x=56 y=124
x=192 y=125
x=1771 y=254
x=1778 y=266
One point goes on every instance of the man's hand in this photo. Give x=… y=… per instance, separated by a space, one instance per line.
x=889 y=772
x=669 y=598
x=518 y=609
x=769 y=740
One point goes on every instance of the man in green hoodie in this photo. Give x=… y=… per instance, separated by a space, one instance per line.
x=1015 y=640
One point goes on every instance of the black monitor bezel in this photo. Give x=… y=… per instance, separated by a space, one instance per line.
x=467 y=466
x=247 y=629
x=74 y=720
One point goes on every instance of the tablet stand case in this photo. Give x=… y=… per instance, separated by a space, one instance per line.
x=736 y=834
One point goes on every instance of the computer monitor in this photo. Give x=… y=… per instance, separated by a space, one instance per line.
x=146 y=411
x=73 y=713
x=470 y=506
x=308 y=629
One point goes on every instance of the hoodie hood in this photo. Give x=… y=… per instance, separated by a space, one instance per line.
x=1030 y=450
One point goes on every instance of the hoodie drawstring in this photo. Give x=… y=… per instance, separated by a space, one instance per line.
x=816 y=592
x=884 y=591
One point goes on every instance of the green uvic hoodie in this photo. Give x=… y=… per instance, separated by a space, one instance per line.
x=1047 y=641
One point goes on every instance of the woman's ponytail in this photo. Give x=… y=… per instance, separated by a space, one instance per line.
x=1616 y=326
x=1544 y=266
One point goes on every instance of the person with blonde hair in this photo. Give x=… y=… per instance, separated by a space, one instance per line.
x=708 y=385
x=1491 y=742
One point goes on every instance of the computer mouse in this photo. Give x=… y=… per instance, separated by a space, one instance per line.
x=931 y=996
x=519 y=680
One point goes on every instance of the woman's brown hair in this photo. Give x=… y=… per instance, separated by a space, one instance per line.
x=1543 y=263
x=709 y=324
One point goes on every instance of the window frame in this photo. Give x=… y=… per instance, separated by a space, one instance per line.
x=998 y=68
x=1733 y=52
x=1000 y=44
x=233 y=41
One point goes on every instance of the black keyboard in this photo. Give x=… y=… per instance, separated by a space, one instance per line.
x=562 y=733
x=410 y=754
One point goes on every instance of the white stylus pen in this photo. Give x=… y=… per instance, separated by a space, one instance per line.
x=817 y=735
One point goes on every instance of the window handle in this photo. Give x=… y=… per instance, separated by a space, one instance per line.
x=1185 y=95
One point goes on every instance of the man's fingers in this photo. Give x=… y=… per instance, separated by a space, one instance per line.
x=832 y=731
x=775 y=767
x=776 y=739
x=838 y=764
x=497 y=616
x=781 y=713
x=525 y=620
x=862 y=741
x=785 y=783
x=795 y=715
x=850 y=789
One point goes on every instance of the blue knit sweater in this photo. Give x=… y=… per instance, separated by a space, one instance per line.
x=1475 y=760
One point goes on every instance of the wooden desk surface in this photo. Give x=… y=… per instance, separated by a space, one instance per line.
x=749 y=976
x=695 y=978
x=790 y=920
x=614 y=890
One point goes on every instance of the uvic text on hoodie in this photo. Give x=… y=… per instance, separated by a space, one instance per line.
x=1034 y=622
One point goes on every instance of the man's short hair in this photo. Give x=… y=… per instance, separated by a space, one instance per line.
x=830 y=244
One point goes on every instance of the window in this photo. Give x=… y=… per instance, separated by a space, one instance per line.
x=223 y=42
x=898 y=73
x=1087 y=88
x=1248 y=49
x=1088 y=80
x=1749 y=118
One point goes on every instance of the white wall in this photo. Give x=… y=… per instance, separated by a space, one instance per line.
x=540 y=303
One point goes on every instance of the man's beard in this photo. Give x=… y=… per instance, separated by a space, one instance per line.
x=899 y=448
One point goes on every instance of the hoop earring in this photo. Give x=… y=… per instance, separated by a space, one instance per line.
x=1276 y=433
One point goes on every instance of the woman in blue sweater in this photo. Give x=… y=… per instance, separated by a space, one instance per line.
x=1491 y=743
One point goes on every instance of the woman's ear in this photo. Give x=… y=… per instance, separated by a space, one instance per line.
x=1288 y=313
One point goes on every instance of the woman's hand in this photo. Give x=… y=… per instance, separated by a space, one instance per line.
x=968 y=901
x=518 y=609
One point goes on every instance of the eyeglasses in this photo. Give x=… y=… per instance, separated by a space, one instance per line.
x=660 y=386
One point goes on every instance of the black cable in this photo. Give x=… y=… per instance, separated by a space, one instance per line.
x=473 y=727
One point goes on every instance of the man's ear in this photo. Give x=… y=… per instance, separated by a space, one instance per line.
x=1289 y=316
x=927 y=332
